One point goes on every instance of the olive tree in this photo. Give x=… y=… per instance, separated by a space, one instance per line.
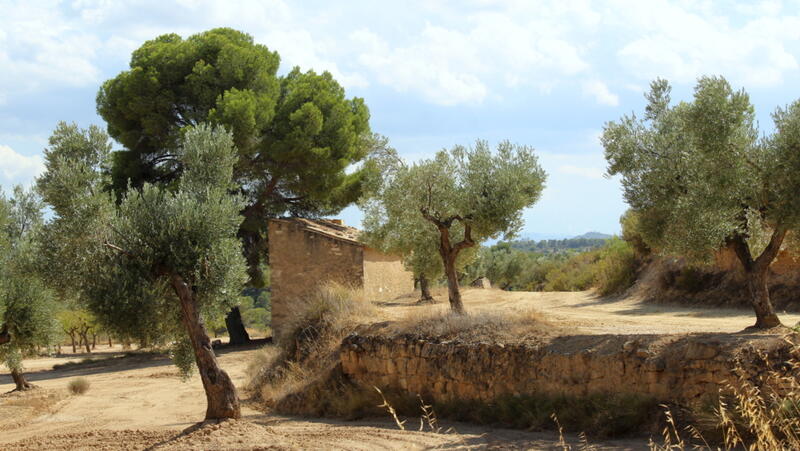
x=454 y=201
x=698 y=177
x=167 y=254
x=27 y=306
x=409 y=236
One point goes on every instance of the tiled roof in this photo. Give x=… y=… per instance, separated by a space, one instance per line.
x=326 y=227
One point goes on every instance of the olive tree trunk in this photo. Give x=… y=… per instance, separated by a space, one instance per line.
x=757 y=272
x=236 y=331
x=19 y=380
x=449 y=253
x=221 y=396
x=424 y=289
x=85 y=341
x=453 y=290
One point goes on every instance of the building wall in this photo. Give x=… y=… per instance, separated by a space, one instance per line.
x=301 y=260
x=385 y=277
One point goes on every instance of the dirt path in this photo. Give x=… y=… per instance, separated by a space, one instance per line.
x=589 y=313
x=141 y=403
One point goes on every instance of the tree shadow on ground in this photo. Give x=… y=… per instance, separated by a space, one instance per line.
x=651 y=308
x=117 y=361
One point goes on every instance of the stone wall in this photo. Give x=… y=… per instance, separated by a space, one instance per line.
x=385 y=278
x=679 y=369
x=301 y=260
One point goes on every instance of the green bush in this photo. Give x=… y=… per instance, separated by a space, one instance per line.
x=257 y=318
x=616 y=268
x=573 y=274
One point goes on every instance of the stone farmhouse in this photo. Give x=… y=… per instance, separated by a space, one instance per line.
x=304 y=253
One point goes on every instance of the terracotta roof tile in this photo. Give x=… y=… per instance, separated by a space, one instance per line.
x=326 y=227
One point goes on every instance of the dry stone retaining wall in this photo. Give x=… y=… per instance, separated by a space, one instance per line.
x=678 y=369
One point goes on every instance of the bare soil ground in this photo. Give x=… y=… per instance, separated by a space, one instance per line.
x=141 y=403
x=585 y=312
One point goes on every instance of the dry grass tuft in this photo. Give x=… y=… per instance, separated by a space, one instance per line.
x=307 y=355
x=759 y=410
x=78 y=386
x=501 y=327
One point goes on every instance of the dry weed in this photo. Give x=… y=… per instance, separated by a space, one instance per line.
x=502 y=327
x=307 y=351
x=401 y=424
x=78 y=386
x=759 y=410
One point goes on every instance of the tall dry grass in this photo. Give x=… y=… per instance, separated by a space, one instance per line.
x=305 y=360
x=758 y=410
x=512 y=326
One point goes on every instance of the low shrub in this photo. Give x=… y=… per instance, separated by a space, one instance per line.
x=78 y=386
x=616 y=267
x=573 y=274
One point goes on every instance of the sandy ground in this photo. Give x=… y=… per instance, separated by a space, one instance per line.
x=141 y=403
x=586 y=312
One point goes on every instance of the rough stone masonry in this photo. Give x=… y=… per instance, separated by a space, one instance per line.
x=669 y=368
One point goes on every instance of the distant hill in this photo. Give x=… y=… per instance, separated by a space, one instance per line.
x=594 y=236
x=581 y=243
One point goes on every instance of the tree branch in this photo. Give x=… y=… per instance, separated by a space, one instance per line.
x=771 y=251
x=742 y=249
x=119 y=249
x=431 y=218
x=467 y=241
x=258 y=205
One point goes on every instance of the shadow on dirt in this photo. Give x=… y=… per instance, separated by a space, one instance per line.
x=98 y=363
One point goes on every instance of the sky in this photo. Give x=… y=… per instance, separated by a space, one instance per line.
x=547 y=74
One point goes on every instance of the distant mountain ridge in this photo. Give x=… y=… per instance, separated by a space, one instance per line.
x=594 y=236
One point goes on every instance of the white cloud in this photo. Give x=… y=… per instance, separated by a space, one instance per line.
x=297 y=47
x=600 y=92
x=682 y=41
x=447 y=53
x=477 y=57
x=17 y=168
x=39 y=48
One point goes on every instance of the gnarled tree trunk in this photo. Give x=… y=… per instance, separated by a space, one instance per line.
x=756 y=271
x=221 y=396
x=424 y=289
x=19 y=380
x=453 y=290
x=449 y=253
x=85 y=341
x=236 y=331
